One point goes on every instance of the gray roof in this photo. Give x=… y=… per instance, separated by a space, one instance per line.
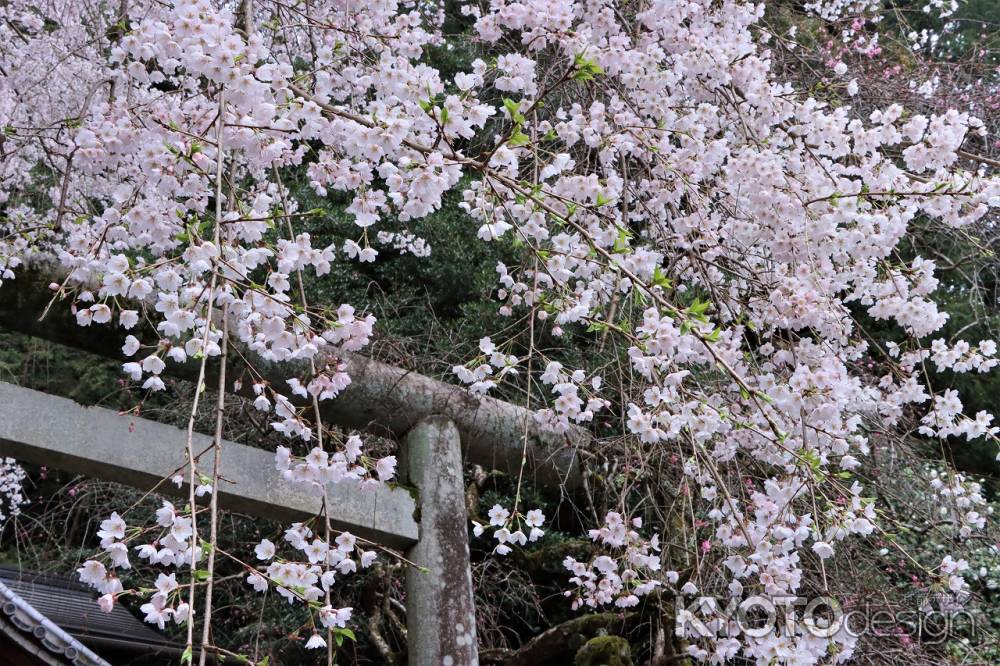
x=20 y=615
x=63 y=616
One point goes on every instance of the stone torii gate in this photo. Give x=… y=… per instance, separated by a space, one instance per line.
x=435 y=421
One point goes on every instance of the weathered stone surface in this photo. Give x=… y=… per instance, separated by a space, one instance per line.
x=381 y=398
x=441 y=614
x=57 y=432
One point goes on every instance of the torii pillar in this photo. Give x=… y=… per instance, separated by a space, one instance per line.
x=440 y=610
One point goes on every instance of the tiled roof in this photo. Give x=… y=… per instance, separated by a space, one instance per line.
x=63 y=616
x=20 y=615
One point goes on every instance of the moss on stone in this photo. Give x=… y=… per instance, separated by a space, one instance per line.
x=604 y=651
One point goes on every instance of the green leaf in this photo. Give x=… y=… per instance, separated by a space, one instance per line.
x=661 y=280
x=697 y=310
x=586 y=69
x=514 y=109
x=812 y=459
x=621 y=243
x=187 y=656
x=518 y=138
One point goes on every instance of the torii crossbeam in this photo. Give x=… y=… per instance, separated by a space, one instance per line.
x=48 y=430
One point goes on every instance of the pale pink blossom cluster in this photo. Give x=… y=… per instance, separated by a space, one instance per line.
x=963 y=357
x=569 y=406
x=945 y=419
x=319 y=469
x=481 y=378
x=12 y=496
x=956 y=584
x=300 y=580
x=405 y=242
x=961 y=500
x=310 y=579
x=509 y=529
x=171 y=546
x=832 y=10
x=631 y=568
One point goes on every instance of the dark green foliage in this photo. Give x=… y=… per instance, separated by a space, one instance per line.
x=971 y=33
x=49 y=367
x=411 y=296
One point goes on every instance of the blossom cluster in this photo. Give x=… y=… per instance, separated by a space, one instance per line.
x=405 y=242
x=962 y=499
x=631 y=570
x=509 y=529
x=478 y=378
x=318 y=468
x=172 y=546
x=308 y=580
x=12 y=496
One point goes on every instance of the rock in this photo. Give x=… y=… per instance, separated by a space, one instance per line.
x=604 y=651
